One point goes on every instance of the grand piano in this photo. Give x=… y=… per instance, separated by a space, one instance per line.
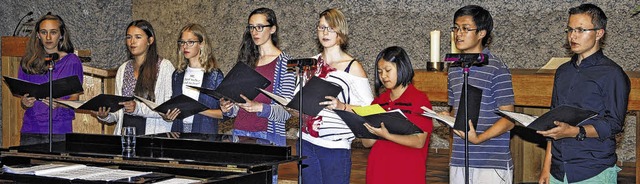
x=214 y=158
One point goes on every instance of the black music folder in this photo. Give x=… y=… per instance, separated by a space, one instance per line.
x=61 y=87
x=187 y=105
x=564 y=113
x=314 y=92
x=475 y=97
x=394 y=121
x=241 y=79
x=102 y=100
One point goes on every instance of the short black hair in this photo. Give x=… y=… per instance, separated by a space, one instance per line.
x=398 y=56
x=481 y=17
x=598 y=18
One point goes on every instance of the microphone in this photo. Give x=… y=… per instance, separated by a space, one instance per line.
x=467 y=60
x=52 y=57
x=304 y=63
x=19 y=22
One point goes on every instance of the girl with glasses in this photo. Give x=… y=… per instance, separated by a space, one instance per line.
x=327 y=139
x=262 y=117
x=196 y=67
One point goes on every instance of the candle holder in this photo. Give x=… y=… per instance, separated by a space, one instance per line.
x=437 y=66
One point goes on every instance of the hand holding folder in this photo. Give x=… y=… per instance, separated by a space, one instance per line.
x=187 y=105
x=102 y=100
x=242 y=79
x=394 y=121
x=564 y=113
x=458 y=123
x=313 y=93
x=61 y=87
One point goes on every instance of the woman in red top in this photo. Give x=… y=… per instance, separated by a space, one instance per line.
x=398 y=158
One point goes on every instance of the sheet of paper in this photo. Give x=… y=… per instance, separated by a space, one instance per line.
x=177 y=181
x=523 y=119
x=368 y=110
x=448 y=120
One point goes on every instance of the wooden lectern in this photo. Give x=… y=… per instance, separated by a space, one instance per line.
x=96 y=81
x=13 y=48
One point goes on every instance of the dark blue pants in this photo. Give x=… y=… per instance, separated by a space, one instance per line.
x=324 y=165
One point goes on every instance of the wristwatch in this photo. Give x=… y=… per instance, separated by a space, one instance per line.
x=582 y=134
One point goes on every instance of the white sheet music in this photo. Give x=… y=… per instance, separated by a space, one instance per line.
x=521 y=118
x=177 y=181
x=77 y=171
x=114 y=174
x=448 y=120
x=41 y=169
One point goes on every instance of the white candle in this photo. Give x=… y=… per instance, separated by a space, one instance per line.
x=454 y=49
x=435 y=46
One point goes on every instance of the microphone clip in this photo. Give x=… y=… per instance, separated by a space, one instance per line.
x=467 y=60
x=51 y=58
x=301 y=65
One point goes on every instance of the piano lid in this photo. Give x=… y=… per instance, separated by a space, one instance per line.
x=195 y=149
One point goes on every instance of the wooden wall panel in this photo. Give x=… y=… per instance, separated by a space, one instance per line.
x=12 y=111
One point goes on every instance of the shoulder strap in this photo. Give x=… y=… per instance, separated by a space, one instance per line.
x=349 y=66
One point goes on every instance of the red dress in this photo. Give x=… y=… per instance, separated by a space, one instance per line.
x=390 y=162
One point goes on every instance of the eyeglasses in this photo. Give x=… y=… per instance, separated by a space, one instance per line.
x=181 y=43
x=455 y=29
x=578 y=30
x=326 y=28
x=258 y=28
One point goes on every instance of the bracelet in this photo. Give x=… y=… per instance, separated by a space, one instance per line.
x=345 y=107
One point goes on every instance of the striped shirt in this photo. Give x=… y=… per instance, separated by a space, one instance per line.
x=277 y=115
x=495 y=81
x=333 y=131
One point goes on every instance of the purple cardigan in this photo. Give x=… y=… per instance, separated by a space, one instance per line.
x=36 y=118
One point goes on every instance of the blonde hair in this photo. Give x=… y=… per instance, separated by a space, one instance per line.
x=207 y=60
x=336 y=20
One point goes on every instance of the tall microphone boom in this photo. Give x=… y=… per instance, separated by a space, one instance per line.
x=467 y=60
x=20 y=22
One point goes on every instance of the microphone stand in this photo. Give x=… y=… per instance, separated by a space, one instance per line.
x=51 y=63
x=466 y=61
x=466 y=68
x=300 y=74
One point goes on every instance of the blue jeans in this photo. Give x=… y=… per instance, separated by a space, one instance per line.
x=609 y=175
x=324 y=165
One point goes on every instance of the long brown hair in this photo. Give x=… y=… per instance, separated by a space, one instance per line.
x=148 y=74
x=33 y=60
x=207 y=60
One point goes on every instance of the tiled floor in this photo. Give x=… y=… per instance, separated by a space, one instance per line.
x=437 y=169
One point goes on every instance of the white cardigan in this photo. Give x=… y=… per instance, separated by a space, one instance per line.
x=155 y=123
